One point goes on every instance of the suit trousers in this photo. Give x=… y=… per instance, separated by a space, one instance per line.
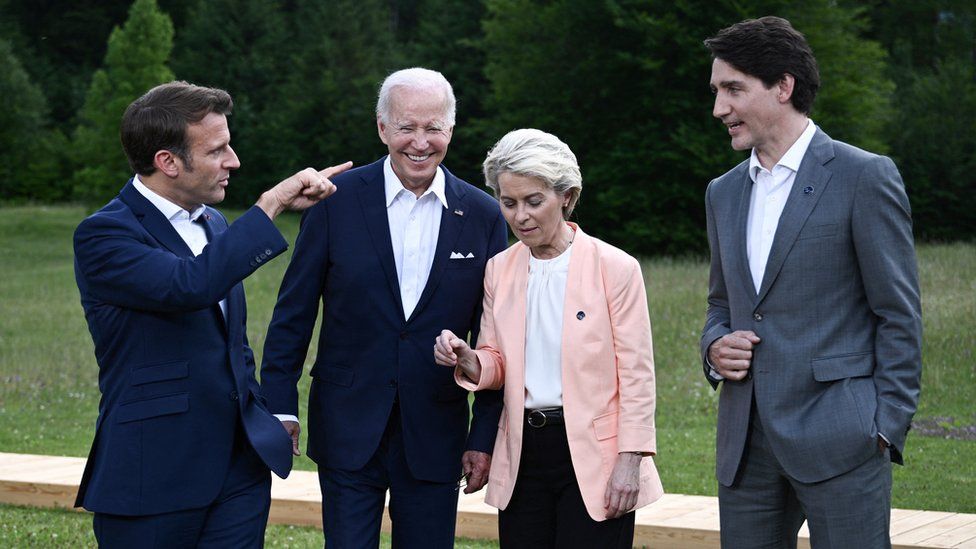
x=547 y=510
x=765 y=507
x=236 y=519
x=422 y=513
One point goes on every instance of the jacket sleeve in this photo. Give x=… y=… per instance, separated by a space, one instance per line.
x=881 y=229
x=487 y=406
x=717 y=318
x=631 y=327
x=120 y=264
x=295 y=313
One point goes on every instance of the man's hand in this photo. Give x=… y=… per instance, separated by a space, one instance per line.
x=731 y=354
x=475 y=466
x=293 y=429
x=623 y=486
x=450 y=350
x=300 y=191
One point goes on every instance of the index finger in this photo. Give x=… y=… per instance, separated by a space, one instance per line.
x=335 y=170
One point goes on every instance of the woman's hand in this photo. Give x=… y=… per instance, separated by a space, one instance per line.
x=623 y=486
x=450 y=350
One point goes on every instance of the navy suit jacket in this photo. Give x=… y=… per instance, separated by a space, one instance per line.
x=176 y=378
x=369 y=355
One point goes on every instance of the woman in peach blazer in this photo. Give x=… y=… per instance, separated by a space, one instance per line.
x=573 y=454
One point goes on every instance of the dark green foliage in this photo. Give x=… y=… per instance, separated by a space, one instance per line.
x=135 y=62
x=623 y=82
x=247 y=57
x=30 y=158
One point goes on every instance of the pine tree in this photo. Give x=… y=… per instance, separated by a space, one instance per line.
x=134 y=62
x=30 y=151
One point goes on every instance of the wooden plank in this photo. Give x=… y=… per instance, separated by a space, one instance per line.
x=918 y=535
x=675 y=521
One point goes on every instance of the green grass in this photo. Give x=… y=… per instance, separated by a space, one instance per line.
x=49 y=393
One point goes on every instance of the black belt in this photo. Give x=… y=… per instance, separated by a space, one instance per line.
x=544 y=416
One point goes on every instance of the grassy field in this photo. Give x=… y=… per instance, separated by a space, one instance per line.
x=49 y=393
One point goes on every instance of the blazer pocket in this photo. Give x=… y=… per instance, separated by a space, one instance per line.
x=337 y=375
x=152 y=373
x=818 y=231
x=605 y=426
x=840 y=367
x=153 y=407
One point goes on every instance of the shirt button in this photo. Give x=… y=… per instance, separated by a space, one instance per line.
x=757 y=317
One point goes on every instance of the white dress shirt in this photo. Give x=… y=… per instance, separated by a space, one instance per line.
x=770 y=190
x=544 y=300
x=414 y=226
x=183 y=221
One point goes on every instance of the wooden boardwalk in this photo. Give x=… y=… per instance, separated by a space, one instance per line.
x=676 y=521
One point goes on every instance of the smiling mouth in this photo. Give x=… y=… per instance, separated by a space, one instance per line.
x=418 y=158
x=734 y=125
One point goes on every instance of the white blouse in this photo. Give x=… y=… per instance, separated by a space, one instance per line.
x=545 y=297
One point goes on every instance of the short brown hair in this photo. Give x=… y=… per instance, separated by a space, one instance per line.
x=767 y=48
x=158 y=121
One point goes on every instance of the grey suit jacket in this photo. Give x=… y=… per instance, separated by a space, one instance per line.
x=838 y=313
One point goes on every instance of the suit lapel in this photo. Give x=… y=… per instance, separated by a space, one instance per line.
x=213 y=226
x=813 y=177
x=154 y=221
x=742 y=234
x=447 y=237
x=372 y=198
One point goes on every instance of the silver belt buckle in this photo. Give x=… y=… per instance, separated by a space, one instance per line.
x=537 y=418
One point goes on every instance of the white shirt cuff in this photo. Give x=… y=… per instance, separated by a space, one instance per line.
x=286 y=417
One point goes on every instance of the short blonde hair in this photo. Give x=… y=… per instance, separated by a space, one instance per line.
x=535 y=153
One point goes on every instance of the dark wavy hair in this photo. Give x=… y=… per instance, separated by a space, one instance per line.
x=767 y=48
x=158 y=121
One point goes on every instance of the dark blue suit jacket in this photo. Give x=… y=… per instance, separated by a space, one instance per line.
x=176 y=378
x=368 y=354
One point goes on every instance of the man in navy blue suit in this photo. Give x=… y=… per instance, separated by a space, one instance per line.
x=183 y=442
x=397 y=255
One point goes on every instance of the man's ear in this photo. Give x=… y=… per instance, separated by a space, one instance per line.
x=785 y=88
x=168 y=163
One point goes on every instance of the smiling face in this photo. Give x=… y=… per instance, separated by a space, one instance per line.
x=417 y=135
x=534 y=211
x=204 y=179
x=752 y=113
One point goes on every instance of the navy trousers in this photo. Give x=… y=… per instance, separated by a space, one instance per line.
x=422 y=512
x=236 y=519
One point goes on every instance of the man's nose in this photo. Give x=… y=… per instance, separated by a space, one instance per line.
x=232 y=162
x=720 y=108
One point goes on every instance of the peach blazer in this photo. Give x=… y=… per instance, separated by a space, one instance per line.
x=607 y=368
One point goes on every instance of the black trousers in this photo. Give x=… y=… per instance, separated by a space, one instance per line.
x=547 y=509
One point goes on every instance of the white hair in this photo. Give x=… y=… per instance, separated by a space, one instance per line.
x=535 y=153
x=419 y=79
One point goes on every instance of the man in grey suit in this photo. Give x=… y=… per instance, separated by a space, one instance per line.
x=814 y=320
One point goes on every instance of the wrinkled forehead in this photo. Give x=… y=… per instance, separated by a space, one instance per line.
x=415 y=105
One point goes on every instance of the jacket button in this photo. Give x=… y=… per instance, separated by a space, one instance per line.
x=267 y=251
x=233 y=395
x=757 y=317
x=393 y=383
x=403 y=335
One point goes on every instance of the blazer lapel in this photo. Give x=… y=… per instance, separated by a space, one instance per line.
x=808 y=186
x=742 y=234
x=372 y=198
x=153 y=221
x=447 y=237
x=213 y=226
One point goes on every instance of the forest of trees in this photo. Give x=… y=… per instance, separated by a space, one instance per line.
x=623 y=82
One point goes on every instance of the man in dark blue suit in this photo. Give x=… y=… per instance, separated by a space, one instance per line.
x=397 y=255
x=183 y=442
